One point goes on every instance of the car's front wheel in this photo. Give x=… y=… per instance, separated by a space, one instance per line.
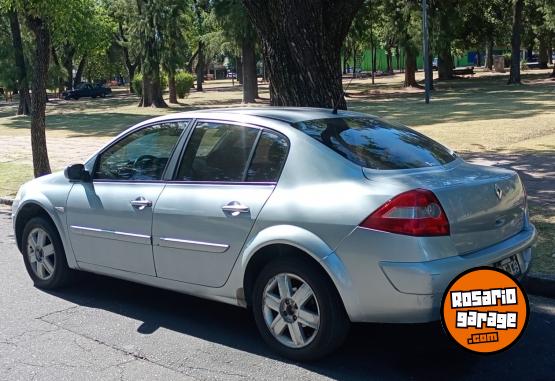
x=44 y=256
x=298 y=310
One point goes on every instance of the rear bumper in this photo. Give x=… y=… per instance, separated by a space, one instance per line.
x=411 y=292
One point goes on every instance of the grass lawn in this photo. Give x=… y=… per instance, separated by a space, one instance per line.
x=482 y=118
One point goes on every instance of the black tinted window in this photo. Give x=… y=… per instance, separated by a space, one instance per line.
x=374 y=143
x=142 y=155
x=268 y=158
x=217 y=152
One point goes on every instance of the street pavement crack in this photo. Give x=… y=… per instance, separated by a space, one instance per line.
x=135 y=355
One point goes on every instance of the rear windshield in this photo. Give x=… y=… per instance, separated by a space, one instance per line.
x=374 y=143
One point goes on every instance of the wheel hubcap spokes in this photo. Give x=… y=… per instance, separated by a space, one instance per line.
x=291 y=310
x=40 y=251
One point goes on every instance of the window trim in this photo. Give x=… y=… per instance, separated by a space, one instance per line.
x=173 y=179
x=170 y=162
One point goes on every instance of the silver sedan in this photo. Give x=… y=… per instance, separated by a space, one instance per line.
x=312 y=219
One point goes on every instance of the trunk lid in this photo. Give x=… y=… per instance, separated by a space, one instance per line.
x=484 y=205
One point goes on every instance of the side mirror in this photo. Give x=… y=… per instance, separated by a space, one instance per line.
x=77 y=172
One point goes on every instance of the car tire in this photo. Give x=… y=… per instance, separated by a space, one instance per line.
x=327 y=332
x=44 y=255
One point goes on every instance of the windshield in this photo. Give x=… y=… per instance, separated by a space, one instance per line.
x=376 y=144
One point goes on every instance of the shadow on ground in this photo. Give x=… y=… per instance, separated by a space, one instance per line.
x=372 y=351
x=459 y=100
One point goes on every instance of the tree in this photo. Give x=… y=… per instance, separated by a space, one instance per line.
x=123 y=14
x=24 y=107
x=302 y=41
x=153 y=16
x=514 y=75
x=37 y=24
x=175 y=49
x=87 y=31
x=237 y=27
x=201 y=10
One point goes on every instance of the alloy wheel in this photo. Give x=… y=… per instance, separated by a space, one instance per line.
x=40 y=251
x=291 y=310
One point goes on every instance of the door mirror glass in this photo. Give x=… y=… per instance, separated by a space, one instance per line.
x=77 y=172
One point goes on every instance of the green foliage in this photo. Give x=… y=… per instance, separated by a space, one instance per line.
x=138 y=84
x=183 y=83
x=55 y=73
x=163 y=81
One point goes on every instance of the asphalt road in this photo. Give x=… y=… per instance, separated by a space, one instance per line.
x=110 y=329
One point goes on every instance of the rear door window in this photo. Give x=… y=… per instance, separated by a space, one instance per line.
x=376 y=144
x=269 y=158
x=217 y=152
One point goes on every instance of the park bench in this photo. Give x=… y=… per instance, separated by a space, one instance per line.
x=464 y=71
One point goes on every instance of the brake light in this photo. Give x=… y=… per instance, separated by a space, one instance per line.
x=416 y=212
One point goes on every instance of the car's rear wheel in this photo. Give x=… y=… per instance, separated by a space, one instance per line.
x=298 y=310
x=44 y=256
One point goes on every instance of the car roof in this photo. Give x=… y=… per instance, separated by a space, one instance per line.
x=284 y=114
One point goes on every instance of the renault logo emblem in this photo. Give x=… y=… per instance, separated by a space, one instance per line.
x=498 y=192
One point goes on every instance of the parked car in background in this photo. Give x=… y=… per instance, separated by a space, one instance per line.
x=85 y=90
x=312 y=218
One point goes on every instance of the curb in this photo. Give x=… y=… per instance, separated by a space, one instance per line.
x=535 y=283
x=540 y=284
x=6 y=201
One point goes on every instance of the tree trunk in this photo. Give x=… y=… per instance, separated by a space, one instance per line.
x=489 y=55
x=171 y=86
x=67 y=62
x=445 y=63
x=389 y=60
x=304 y=57
x=79 y=73
x=146 y=98
x=200 y=66
x=398 y=56
x=239 y=73
x=131 y=73
x=410 y=68
x=550 y=42
x=24 y=107
x=514 y=76
x=41 y=164
x=250 y=83
x=374 y=61
x=529 y=53
x=189 y=65
x=542 y=59
x=431 y=70
x=131 y=67
x=152 y=90
x=354 y=62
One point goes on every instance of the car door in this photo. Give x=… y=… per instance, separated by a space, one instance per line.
x=110 y=218
x=204 y=216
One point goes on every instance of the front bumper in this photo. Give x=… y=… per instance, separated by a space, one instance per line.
x=410 y=292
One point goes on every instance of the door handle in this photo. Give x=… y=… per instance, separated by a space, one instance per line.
x=235 y=208
x=140 y=203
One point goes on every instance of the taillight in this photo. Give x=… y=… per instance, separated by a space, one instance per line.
x=416 y=212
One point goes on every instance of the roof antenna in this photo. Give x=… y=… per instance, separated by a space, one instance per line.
x=335 y=104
